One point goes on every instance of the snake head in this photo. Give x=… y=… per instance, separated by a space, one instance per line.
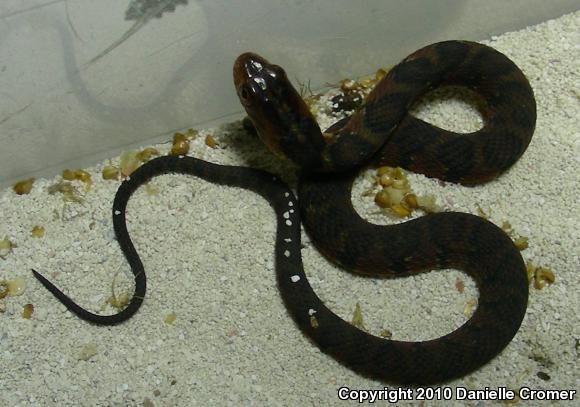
x=257 y=81
x=281 y=117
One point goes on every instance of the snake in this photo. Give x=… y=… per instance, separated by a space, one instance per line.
x=380 y=132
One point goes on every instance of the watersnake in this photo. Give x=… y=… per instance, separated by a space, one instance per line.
x=380 y=132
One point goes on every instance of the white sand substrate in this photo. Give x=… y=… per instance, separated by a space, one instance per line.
x=208 y=253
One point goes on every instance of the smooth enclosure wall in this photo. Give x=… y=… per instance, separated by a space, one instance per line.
x=81 y=80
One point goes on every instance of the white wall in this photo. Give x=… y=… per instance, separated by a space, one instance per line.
x=59 y=107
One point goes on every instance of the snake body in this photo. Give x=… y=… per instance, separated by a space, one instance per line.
x=381 y=132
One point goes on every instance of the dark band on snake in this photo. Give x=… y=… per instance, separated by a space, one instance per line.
x=380 y=132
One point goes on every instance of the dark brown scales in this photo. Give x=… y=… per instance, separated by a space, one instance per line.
x=456 y=240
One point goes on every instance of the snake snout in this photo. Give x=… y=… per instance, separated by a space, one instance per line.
x=248 y=65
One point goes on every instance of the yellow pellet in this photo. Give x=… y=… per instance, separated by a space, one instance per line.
x=210 y=141
x=400 y=211
x=37 y=231
x=383 y=199
x=69 y=175
x=411 y=200
x=23 y=187
x=27 y=311
x=386 y=180
x=180 y=144
x=110 y=172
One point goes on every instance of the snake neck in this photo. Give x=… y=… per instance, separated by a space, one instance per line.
x=285 y=124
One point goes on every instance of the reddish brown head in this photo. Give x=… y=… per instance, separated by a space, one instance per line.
x=282 y=119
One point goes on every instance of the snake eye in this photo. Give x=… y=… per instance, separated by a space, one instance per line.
x=276 y=71
x=244 y=95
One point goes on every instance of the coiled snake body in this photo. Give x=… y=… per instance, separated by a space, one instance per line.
x=380 y=132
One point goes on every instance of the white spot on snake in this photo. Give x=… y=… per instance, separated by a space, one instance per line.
x=311 y=312
x=287 y=253
x=291 y=210
x=261 y=82
x=286 y=215
x=128 y=179
x=287 y=240
x=286 y=194
x=179 y=156
x=257 y=65
x=117 y=212
x=289 y=222
x=290 y=203
x=295 y=278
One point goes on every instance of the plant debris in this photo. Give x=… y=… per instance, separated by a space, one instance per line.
x=350 y=96
x=481 y=213
x=515 y=400
x=6 y=247
x=79 y=175
x=129 y=162
x=87 y=351
x=147 y=153
x=151 y=189
x=313 y=322
x=396 y=196
x=539 y=275
x=469 y=305
x=12 y=288
x=170 y=318
x=110 y=172
x=119 y=302
x=37 y=231
x=69 y=192
x=27 y=311
x=352 y=93
x=180 y=144
x=459 y=285
x=211 y=142
x=357 y=318
x=23 y=187
x=385 y=333
x=521 y=242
